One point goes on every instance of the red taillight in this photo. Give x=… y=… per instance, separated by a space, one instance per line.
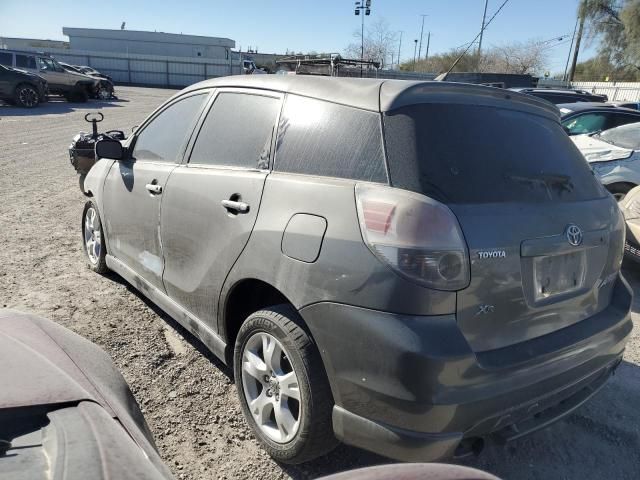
x=417 y=236
x=378 y=215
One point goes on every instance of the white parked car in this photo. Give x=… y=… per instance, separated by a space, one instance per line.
x=614 y=156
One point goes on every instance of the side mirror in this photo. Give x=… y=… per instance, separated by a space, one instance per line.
x=111 y=149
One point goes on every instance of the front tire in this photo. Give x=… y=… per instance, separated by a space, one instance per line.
x=282 y=385
x=93 y=239
x=27 y=96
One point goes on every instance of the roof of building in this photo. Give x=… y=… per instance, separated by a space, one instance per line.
x=142 y=36
x=383 y=95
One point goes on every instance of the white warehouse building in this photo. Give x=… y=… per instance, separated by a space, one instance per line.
x=132 y=42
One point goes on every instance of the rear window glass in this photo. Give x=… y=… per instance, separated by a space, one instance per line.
x=479 y=154
x=321 y=138
x=25 y=61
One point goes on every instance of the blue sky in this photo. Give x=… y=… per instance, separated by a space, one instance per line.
x=327 y=25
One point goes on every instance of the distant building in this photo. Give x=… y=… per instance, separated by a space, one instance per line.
x=31 y=43
x=148 y=43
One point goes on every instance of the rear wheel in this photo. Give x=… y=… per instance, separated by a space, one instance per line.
x=27 y=96
x=619 y=190
x=93 y=239
x=282 y=385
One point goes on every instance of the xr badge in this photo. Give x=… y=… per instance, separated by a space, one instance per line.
x=484 y=309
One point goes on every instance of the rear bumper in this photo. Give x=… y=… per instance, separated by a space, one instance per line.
x=410 y=388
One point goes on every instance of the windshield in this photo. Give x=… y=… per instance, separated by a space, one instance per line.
x=478 y=154
x=626 y=136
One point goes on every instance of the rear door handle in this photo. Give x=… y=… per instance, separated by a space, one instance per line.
x=154 y=188
x=238 y=207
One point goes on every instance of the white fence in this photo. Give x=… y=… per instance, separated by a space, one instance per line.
x=615 y=91
x=151 y=70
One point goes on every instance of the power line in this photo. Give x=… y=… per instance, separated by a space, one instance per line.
x=476 y=37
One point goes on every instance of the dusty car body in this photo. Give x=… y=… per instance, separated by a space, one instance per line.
x=614 y=156
x=65 y=411
x=433 y=297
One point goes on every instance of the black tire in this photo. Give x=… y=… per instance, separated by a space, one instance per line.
x=619 y=190
x=314 y=436
x=81 y=178
x=97 y=260
x=26 y=96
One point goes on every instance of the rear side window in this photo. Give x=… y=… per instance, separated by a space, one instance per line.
x=6 y=59
x=163 y=138
x=479 y=154
x=237 y=131
x=326 y=139
x=25 y=61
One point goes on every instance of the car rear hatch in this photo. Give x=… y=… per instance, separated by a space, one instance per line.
x=544 y=238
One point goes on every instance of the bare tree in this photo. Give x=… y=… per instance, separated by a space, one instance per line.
x=379 y=43
x=528 y=57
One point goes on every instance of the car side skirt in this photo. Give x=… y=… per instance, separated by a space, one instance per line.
x=197 y=327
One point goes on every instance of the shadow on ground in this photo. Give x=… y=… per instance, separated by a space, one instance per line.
x=565 y=449
x=56 y=107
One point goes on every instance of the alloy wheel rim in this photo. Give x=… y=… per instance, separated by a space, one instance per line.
x=28 y=97
x=103 y=94
x=271 y=387
x=92 y=238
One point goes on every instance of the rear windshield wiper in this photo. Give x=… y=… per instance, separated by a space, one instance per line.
x=548 y=181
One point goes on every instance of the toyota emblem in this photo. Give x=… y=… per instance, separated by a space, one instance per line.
x=574 y=235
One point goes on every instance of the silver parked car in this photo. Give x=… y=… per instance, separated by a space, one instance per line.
x=614 y=157
x=407 y=267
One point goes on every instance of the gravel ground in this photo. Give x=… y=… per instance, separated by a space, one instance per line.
x=187 y=396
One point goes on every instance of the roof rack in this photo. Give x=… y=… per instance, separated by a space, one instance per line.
x=327 y=64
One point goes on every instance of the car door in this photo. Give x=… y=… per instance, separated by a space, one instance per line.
x=55 y=75
x=212 y=201
x=134 y=187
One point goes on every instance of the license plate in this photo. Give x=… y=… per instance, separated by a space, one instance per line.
x=558 y=274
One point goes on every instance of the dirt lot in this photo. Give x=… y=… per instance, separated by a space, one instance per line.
x=187 y=396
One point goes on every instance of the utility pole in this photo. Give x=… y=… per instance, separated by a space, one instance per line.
x=426 y=57
x=399 y=47
x=566 y=67
x=421 y=32
x=484 y=17
x=415 y=48
x=577 y=50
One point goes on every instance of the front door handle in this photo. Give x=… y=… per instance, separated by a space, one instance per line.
x=154 y=188
x=235 y=206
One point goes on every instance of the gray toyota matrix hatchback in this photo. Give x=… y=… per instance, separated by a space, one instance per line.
x=408 y=267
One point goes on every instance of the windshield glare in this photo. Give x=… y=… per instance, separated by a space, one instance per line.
x=626 y=136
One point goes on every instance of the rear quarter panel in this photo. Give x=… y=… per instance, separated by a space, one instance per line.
x=345 y=271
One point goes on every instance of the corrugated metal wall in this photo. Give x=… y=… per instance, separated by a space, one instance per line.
x=151 y=70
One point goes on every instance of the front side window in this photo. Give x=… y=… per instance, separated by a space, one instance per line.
x=25 y=61
x=164 y=138
x=587 y=123
x=326 y=139
x=6 y=59
x=237 y=131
